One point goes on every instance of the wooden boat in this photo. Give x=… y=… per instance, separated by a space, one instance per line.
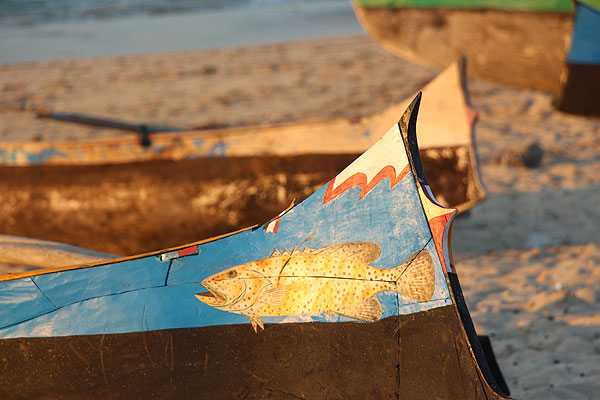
x=517 y=43
x=349 y=294
x=30 y=253
x=130 y=199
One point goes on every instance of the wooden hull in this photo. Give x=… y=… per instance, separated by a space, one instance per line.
x=164 y=200
x=289 y=361
x=137 y=208
x=122 y=209
x=292 y=308
x=517 y=48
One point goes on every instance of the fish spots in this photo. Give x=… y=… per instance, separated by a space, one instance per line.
x=322 y=280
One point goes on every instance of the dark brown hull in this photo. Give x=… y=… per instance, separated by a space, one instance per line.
x=523 y=49
x=579 y=90
x=136 y=208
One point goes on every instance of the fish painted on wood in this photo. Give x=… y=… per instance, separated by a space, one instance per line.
x=332 y=279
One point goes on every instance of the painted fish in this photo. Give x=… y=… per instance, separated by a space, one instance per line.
x=333 y=279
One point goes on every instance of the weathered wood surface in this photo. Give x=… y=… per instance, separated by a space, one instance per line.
x=403 y=357
x=446 y=121
x=518 y=48
x=511 y=5
x=136 y=208
x=130 y=208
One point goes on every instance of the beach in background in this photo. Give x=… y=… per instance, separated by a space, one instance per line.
x=528 y=257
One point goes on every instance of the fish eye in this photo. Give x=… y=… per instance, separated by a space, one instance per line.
x=232 y=274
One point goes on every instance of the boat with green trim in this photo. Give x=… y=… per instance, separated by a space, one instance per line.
x=518 y=43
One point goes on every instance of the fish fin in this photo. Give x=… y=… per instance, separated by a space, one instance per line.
x=363 y=252
x=296 y=252
x=366 y=310
x=275 y=253
x=416 y=277
x=256 y=322
x=273 y=297
x=307 y=250
x=286 y=252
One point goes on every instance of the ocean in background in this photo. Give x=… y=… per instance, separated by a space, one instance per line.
x=33 y=30
x=28 y=12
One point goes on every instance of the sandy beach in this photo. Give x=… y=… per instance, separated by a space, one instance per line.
x=528 y=257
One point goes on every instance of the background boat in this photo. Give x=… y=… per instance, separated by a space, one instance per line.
x=131 y=199
x=518 y=43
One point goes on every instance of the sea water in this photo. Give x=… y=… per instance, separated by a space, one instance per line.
x=32 y=30
x=43 y=11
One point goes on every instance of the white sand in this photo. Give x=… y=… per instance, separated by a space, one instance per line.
x=529 y=256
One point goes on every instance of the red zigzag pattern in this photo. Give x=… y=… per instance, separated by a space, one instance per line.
x=360 y=179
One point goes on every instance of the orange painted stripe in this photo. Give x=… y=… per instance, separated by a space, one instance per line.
x=360 y=179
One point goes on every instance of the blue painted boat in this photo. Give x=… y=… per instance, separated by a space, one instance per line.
x=580 y=79
x=350 y=294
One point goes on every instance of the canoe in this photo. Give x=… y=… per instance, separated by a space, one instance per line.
x=26 y=253
x=129 y=199
x=350 y=294
x=517 y=43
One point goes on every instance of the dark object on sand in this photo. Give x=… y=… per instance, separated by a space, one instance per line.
x=530 y=157
x=350 y=294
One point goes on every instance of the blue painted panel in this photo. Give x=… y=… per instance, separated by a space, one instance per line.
x=219 y=149
x=7 y=156
x=384 y=215
x=441 y=293
x=169 y=307
x=80 y=284
x=585 y=41
x=21 y=300
x=43 y=156
x=149 y=309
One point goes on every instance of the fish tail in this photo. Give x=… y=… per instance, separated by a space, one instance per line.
x=416 y=278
